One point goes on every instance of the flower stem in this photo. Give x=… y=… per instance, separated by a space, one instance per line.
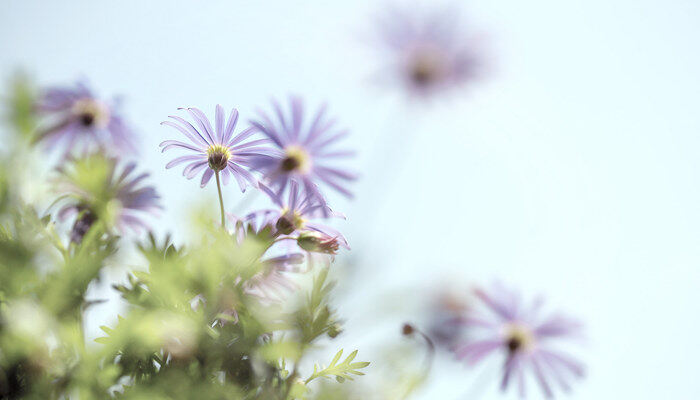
x=221 y=200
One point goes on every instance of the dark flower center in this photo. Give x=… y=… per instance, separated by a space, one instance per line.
x=295 y=159
x=86 y=218
x=218 y=157
x=290 y=164
x=518 y=339
x=422 y=74
x=86 y=119
x=514 y=344
x=285 y=225
x=425 y=67
x=289 y=222
x=90 y=113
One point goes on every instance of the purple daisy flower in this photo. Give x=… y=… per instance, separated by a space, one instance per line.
x=429 y=54
x=83 y=122
x=217 y=151
x=303 y=153
x=524 y=337
x=293 y=218
x=119 y=200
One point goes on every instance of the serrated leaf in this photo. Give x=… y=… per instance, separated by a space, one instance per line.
x=342 y=371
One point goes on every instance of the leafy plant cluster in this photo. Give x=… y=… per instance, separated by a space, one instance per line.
x=195 y=327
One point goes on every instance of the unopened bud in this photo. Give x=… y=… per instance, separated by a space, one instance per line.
x=315 y=242
x=335 y=330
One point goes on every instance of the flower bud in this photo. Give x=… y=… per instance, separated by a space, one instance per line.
x=335 y=330
x=315 y=242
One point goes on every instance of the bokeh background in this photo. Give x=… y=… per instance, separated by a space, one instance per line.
x=570 y=169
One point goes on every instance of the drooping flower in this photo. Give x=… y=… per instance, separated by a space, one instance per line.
x=294 y=219
x=304 y=152
x=524 y=338
x=80 y=121
x=428 y=52
x=318 y=242
x=216 y=150
x=96 y=189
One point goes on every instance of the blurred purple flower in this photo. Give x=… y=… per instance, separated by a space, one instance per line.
x=524 y=338
x=119 y=200
x=447 y=308
x=82 y=122
x=303 y=153
x=272 y=283
x=429 y=53
x=216 y=150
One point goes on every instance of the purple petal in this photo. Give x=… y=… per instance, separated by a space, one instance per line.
x=219 y=120
x=541 y=379
x=192 y=130
x=195 y=139
x=174 y=143
x=180 y=160
x=242 y=136
x=231 y=125
x=191 y=170
x=273 y=196
x=206 y=177
x=202 y=121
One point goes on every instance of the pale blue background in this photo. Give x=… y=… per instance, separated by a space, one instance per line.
x=571 y=170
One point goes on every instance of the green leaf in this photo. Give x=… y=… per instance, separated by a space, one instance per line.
x=342 y=371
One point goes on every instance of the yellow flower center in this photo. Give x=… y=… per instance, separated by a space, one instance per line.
x=296 y=159
x=218 y=156
x=518 y=338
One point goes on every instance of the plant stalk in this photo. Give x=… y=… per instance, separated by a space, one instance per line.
x=221 y=200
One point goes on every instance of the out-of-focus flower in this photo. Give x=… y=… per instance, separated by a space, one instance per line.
x=272 y=283
x=429 y=54
x=217 y=150
x=95 y=190
x=446 y=312
x=293 y=217
x=81 y=121
x=524 y=338
x=304 y=152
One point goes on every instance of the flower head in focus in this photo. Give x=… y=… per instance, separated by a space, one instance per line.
x=96 y=189
x=216 y=150
x=79 y=120
x=295 y=216
x=304 y=152
x=525 y=339
x=429 y=54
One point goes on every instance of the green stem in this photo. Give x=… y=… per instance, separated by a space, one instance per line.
x=221 y=200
